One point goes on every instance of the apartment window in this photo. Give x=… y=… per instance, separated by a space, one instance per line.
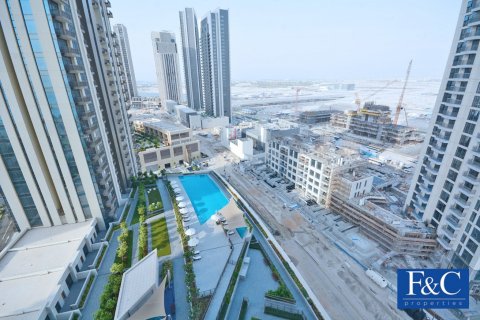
x=468 y=228
x=464 y=141
x=456 y=164
x=452 y=175
x=475 y=234
x=467 y=256
x=464 y=237
x=472 y=246
x=444 y=196
x=473 y=216
x=460 y=153
x=477 y=205
x=473 y=115
x=437 y=215
x=476 y=102
x=440 y=206
x=448 y=185
x=469 y=128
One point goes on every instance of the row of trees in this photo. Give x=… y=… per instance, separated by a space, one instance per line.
x=142 y=235
x=109 y=297
x=193 y=293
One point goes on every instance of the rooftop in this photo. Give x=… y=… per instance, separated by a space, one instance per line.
x=165 y=126
x=31 y=269
x=137 y=282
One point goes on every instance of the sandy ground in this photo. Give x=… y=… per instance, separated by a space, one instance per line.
x=338 y=282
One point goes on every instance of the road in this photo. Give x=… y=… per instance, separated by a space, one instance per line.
x=338 y=282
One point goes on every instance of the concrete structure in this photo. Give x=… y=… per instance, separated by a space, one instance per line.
x=191 y=58
x=374 y=122
x=264 y=132
x=189 y=117
x=214 y=122
x=126 y=58
x=215 y=66
x=366 y=195
x=316 y=117
x=167 y=67
x=139 y=283
x=44 y=271
x=445 y=188
x=242 y=148
x=177 y=146
x=307 y=166
x=66 y=151
x=146 y=102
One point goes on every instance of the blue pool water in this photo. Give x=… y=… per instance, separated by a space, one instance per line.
x=241 y=231
x=205 y=195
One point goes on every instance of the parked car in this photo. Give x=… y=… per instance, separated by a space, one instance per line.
x=231 y=232
x=186 y=219
x=197 y=257
x=196 y=252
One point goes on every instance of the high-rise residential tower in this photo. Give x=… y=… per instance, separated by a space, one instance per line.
x=165 y=52
x=65 y=146
x=446 y=188
x=191 y=58
x=215 y=63
x=126 y=59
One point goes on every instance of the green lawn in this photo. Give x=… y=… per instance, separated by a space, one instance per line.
x=160 y=239
x=154 y=196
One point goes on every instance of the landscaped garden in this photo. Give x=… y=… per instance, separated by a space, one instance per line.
x=155 y=203
x=160 y=240
x=123 y=260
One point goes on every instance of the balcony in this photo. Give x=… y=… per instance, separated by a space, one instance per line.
x=466 y=190
x=453 y=222
x=82 y=100
x=444 y=243
x=462 y=202
x=444 y=125
x=61 y=15
x=452 y=101
x=65 y=34
x=78 y=84
x=73 y=68
x=438 y=148
x=459 y=214
x=109 y=14
x=448 y=231
x=442 y=137
x=87 y=114
x=70 y=52
x=475 y=164
x=460 y=75
x=471 y=178
x=108 y=4
x=456 y=88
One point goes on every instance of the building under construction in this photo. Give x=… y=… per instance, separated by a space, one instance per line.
x=374 y=121
x=368 y=197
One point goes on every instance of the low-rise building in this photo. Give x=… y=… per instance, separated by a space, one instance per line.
x=366 y=196
x=44 y=271
x=265 y=131
x=316 y=117
x=189 y=117
x=146 y=102
x=307 y=165
x=176 y=146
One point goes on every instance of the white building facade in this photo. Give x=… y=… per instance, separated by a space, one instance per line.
x=58 y=158
x=165 y=52
x=126 y=58
x=215 y=63
x=445 y=190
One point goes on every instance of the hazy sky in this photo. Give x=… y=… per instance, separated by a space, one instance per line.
x=305 y=40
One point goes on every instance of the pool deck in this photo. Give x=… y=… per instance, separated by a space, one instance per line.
x=214 y=246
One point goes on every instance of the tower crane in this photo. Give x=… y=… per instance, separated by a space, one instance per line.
x=400 y=101
x=358 y=101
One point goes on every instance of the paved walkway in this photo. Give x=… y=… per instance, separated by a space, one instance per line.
x=93 y=302
x=135 y=230
x=182 y=306
x=222 y=286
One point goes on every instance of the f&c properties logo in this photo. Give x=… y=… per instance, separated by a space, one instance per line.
x=432 y=288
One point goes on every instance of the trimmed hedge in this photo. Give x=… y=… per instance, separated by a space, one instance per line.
x=283 y=314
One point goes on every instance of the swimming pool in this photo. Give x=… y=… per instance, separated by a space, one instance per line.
x=205 y=195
